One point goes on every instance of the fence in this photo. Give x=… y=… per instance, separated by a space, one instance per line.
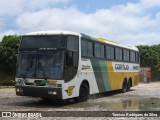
x=143 y=73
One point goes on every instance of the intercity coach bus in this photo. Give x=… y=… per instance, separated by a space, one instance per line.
x=61 y=65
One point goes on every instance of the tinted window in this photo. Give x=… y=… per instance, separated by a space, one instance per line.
x=97 y=50
x=84 y=48
x=49 y=64
x=117 y=53
x=27 y=64
x=41 y=64
x=72 y=43
x=120 y=54
x=102 y=51
x=125 y=55
x=70 y=65
x=132 y=56
x=137 y=57
x=108 y=52
x=90 y=49
x=112 y=52
x=47 y=41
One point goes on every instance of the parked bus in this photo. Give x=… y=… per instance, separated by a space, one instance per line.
x=63 y=64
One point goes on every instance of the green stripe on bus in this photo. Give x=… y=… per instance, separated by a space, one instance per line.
x=105 y=75
x=89 y=37
x=98 y=75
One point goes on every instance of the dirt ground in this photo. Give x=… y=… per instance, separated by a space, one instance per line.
x=144 y=97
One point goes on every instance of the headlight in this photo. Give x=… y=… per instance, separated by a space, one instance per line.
x=20 y=82
x=52 y=82
x=20 y=90
x=55 y=85
x=52 y=92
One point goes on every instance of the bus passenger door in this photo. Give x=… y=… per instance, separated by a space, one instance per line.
x=70 y=65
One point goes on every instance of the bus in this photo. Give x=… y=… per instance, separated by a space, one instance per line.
x=59 y=65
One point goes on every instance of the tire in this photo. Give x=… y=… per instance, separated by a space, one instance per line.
x=83 y=93
x=124 y=86
x=129 y=85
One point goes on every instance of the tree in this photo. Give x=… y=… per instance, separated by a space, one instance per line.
x=8 y=47
x=150 y=56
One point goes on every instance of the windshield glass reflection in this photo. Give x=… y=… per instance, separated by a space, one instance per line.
x=49 y=65
x=27 y=63
x=44 y=64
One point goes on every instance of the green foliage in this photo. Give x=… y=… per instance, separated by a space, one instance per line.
x=8 y=47
x=150 y=56
x=6 y=82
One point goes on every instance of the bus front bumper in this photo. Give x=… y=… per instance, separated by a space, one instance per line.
x=43 y=92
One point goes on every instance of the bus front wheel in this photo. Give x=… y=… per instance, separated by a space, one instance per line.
x=83 y=93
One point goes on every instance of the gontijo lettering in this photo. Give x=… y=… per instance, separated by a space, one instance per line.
x=121 y=67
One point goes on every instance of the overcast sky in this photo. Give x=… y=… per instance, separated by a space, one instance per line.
x=130 y=22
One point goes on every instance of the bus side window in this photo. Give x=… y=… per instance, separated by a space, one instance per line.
x=137 y=57
x=117 y=54
x=125 y=55
x=90 y=49
x=97 y=49
x=72 y=43
x=132 y=56
x=102 y=51
x=112 y=52
x=84 y=48
x=120 y=54
x=108 y=52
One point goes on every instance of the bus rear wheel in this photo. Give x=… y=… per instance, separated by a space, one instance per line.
x=129 y=85
x=124 y=86
x=83 y=93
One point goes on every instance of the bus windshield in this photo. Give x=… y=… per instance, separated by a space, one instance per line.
x=48 y=57
x=41 y=64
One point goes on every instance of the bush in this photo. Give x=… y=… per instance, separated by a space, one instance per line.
x=6 y=82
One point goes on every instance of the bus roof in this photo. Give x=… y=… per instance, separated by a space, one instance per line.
x=110 y=42
x=52 y=32
x=83 y=36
